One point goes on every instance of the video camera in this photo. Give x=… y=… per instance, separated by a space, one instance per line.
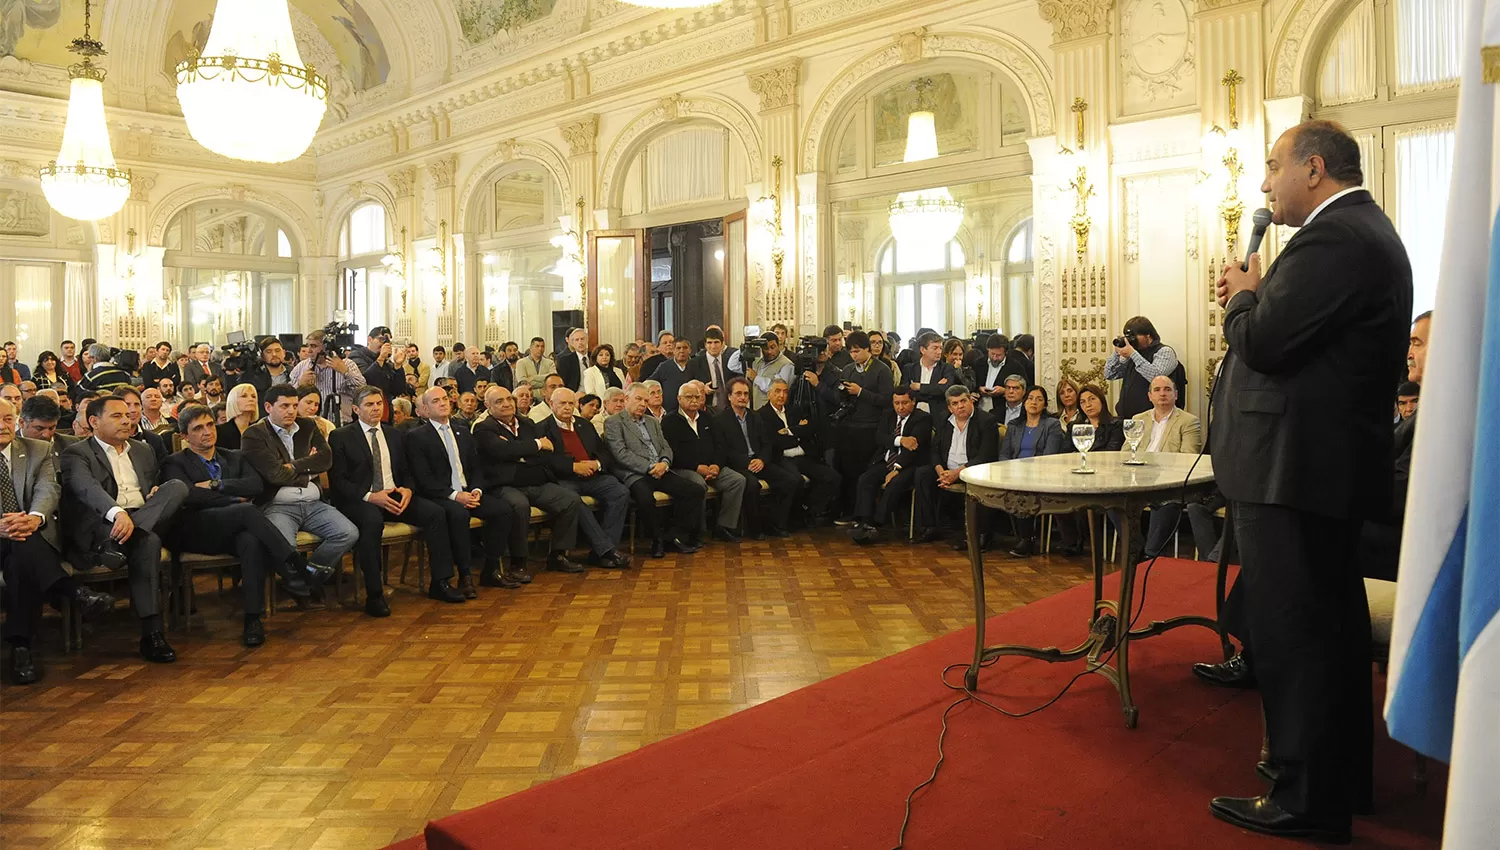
x=338 y=338
x=239 y=353
x=806 y=356
x=753 y=348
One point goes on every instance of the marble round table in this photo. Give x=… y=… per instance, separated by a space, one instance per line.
x=1048 y=485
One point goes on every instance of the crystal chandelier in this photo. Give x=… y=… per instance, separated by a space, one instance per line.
x=248 y=96
x=83 y=182
x=928 y=218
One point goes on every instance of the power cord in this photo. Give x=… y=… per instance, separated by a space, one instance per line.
x=971 y=696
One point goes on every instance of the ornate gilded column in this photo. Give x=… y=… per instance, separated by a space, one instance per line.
x=444 y=267
x=131 y=303
x=582 y=139
x=773 y=276
x=402 y=226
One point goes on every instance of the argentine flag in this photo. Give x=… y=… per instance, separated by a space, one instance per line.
x=1443 y=691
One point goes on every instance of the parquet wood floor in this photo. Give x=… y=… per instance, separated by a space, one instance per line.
x=349 y=732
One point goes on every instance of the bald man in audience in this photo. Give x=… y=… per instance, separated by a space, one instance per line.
x=580 y=462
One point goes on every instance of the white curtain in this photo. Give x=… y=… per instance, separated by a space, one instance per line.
x=1424 y=163
x=686 y=167
x=80 y=303
x=1428 y=38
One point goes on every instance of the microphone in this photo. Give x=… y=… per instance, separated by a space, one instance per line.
x=1262 y=219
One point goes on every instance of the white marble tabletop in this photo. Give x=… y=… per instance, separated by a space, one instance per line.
x=1053 y=474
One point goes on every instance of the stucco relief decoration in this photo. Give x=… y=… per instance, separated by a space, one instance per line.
x=403 y=182
x=1289 y=51
x=910 y=45
x=1074 y=19
x=507 y=150
x=162 y=213
x=582 y=137
x=141 y=186
x=442 y=170
x=777 y=87
x=1157 y=51
x=24 y=213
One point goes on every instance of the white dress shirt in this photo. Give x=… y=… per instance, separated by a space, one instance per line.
x=128 y=493
x=924 y=376
x=991 y=375
x=958 y=452
x=692 y=422
x=1331 y=198
x=310 y=493
x=794 y=451
x=1158 y=430
x=387 y=477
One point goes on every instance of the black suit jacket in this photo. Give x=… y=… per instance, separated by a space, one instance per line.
x=89 y=490
x=735 y=449
x=1323 y=340
x=568 y=369
x=466 y=377
x=981 y=440
x=698 y=366
x=803 y=432
x=918 y=425
x=560 y=461
x=931 y=392
x=354 y=467
x=690 y=450
x=651 y=364
x=513 y=459
x=237 y=479
x=432 y=476
x=155 y=441
x=264 y=451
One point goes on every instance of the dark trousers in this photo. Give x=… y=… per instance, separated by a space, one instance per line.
x=613 y=500
x=687 y=504
x=563 y=506
x=518 y=509
x=32 y=570
x=143 y=549
x=852 y=452
x=931 y=498
x=371 y=520
x=496 y=515
x=244 y=532
x=1309 y=626
x=785 y=486
x=872 y=504
x=823 y=482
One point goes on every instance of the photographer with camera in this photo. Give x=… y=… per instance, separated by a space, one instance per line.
x=1139 y=357
x=336 y=376
x=862 y=393
x=382 y=363
x=769 y=366
x=269 y=370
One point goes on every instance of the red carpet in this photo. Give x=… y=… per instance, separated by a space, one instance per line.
x=829 y=766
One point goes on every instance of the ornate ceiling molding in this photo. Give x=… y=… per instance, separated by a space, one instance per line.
x=508 y=152
x=1075 y=19
x=1301 y=27
x=997 y=50
x=277 y=204
x=669 y=110
x=778 y=85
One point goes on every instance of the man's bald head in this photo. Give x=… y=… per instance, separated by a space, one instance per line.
x=564 y=404
x=1163 y=394
x=435 y=405
x=500 y=403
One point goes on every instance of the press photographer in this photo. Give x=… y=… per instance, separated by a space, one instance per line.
x=860 y=393
x=1140 y=356
x=336 y=376
x=270 y=368
x=382 y=364
x=768 y=364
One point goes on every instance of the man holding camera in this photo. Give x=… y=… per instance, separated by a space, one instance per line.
x=1139 y=357
x=382 y=364
x=860 y=394
x=335 y=376
x=271 y=368
x=772 y=365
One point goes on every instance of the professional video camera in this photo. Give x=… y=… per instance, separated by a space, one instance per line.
x=982 y=336
x=753 y=348
x=239 y=353
x=806 y=356
x=338 y=337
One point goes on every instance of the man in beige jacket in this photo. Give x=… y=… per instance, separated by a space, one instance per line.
x=1168 y=428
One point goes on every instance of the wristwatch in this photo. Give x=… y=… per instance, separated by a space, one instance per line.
x=214 y=484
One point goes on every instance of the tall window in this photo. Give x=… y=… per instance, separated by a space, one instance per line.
x=1016 y=317
x=34 y=288
x=228 y=268
x=369 y=291
x=921 y=287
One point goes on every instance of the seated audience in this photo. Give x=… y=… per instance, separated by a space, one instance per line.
x=654 y=408
x=309 y=406
x=154 y=416
x=699 y=454
x=1013 y=394
x=903 y=445
x=672 y=374
x=966 y=437
x=541 y=411
x=748 y=451
x=772 y=365
x=643 y=462
x=1093 y=409
x=1035 y=434
x=103 y=376
x=140 y=433
x=612 y=402
x=579 y=462
x=603 y=373
x=1067 y=403
x=525 y=399
x=1168 y=428
x=372 y=485
x=403 y=415
x=585 y=404
x=535 y=366
x=793 y=446
x=1407 y=395
x=50 y=374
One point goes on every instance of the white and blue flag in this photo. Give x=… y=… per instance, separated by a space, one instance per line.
x=1443 y=691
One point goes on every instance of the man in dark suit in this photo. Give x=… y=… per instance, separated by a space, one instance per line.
x=965 y=437
x=991 y=370
x=793 y=446
x=1321 y=338
x=665 y=345
x=712 y=367
x=930 y=376
x=580 y=462
x=372 y=486
x=471 y=372
x=672 y=374
x=220 y=516
x=572 y=363
x=857 y=398
x=748 y=451
x=446 y=470
x=698 y=454
x=903 y=445
x=115 y=512
x=515 y=453
x=29 y=493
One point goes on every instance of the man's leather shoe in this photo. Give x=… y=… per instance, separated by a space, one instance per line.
x=91 y=604
x=318 y=576
x=615 y=560
x=25 y=669
x=376 y=606
x=1269 y=771
x=658 y=548
x=725 y=535
x=516 y=568
x=778 y=532
x=929 y=535
x=109 y=555
x=465 y=587
x=1025 y=549
x=154 y=648
x=255 y=632
x=444 y=592
x=1261 y=814
x=1234 y=673
x=683 y=546
x=558 y=562
x=494 y=577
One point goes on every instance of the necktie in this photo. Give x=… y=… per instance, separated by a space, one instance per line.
x=718 y=383
x=451 y=446
x=379 y=483
x=890 y=453
x=8 y=502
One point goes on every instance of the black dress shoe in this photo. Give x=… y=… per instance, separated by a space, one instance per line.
x=109 y=555
x=25 y=668
x=1269 y=771
x=615 y=560
x=778 y=532
x=558 y=562
x=444 y=592
x=1025 y=549
x=725 y=535
x=928 y=535
x=255 y=632
x=1071 y=551
x=494 y=577
x=658 y=548
x=154 y=648
x=1261 y=814
x=516 y=569
x=683 y=546
x=1234 y=673
x=465 y=587
x=376 y=606
x=91 y=604
x=318 y=576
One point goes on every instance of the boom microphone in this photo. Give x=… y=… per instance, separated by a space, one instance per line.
x=1262 y=219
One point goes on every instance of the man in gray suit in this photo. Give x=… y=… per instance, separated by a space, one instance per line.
x=115 y=512
x=28 y=546
x=643 y=461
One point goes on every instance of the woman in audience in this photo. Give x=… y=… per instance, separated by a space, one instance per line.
x=1094 y=406
x=604 y=373
x=309 y=403
x=49 y=375
x=1067 y=403
x=589 y=406
x=1036 y=435
x=243 y=408
x=878 y=351
x=953 y=352
x=8 y=373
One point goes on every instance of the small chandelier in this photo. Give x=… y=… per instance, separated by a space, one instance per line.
x=925 y=217
x=248 y=96
x=83 y=182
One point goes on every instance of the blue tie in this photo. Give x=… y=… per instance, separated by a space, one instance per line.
x=451 y=446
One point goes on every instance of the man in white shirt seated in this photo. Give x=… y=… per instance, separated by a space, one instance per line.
x=540 y=412
x=1168 y=428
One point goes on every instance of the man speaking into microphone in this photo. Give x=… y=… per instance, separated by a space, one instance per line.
x=1302 y=449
